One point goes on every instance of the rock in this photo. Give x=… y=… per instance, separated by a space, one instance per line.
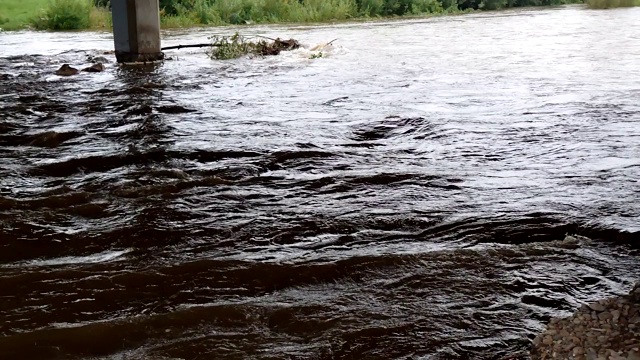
x=548 y=340
x=596 y=306
x=99 y=60
x=602 y=339
x=578 y=351
x=173 y=109
x=615 y=356
x=615 y=314
x=603 y=316
x=537 y=341
x=94 y=68
x=66 y=70
x=52 y=139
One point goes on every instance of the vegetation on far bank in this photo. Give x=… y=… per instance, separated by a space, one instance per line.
x=94 y=14
x=611 y=4
x=53 y=15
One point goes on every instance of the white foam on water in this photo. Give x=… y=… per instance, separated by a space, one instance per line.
x=102 y=257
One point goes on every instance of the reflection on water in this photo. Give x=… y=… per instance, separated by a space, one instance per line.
x=407 y=195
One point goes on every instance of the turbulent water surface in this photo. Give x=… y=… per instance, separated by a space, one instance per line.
x=405 y=195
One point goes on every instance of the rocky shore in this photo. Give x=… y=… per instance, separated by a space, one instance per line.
x=605 y=330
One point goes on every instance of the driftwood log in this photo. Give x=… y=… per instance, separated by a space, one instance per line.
x=185 y=46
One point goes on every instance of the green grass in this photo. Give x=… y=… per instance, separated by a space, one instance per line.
x=71 y=15
x=52 y=15
x=16 y=14
x=82 y=14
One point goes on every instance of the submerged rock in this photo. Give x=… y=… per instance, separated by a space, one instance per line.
x=98 y=59
x=94 y=68
x=173 y=109
x=66 y=70
x=51 y=139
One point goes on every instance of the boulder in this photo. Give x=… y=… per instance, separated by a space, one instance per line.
x=66 y=70
x=94 y=68
x=97 y=59
x=100 y=59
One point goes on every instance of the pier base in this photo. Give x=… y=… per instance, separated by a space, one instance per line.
x=136 y=30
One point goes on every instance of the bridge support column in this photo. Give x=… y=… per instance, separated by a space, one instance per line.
x=136 y=30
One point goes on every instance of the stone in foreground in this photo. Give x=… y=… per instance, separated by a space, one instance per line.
x=66 y=70
x=94 y=68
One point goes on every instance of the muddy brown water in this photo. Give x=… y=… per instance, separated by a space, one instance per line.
x=404 y=196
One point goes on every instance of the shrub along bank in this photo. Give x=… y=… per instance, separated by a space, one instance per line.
x=610 y=4
x=273 y=11
x=85 y=14
x=52 y=15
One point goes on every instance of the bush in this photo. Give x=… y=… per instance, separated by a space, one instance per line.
x=174 y=7
x=204 y=14
x=492 y=4
x=426 y=7
x=609 y=4
x=370 y=7
x=65 y=15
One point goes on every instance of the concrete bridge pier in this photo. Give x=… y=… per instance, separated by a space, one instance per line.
x=136 y=30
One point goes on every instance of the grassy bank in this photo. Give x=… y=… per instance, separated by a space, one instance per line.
x=92 y=14
x=15 y=14
x=53 y=15
x=223 y=12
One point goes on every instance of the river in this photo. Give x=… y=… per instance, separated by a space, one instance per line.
x=407 y=195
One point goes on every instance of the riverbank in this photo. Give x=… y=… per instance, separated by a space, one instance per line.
x=93 y=14
x=53 y=15
x=83 y=14
x=608 y=329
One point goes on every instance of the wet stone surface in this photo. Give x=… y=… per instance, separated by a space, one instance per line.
x=605 y=330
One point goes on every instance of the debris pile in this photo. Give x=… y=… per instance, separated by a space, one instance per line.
x=235 y=46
